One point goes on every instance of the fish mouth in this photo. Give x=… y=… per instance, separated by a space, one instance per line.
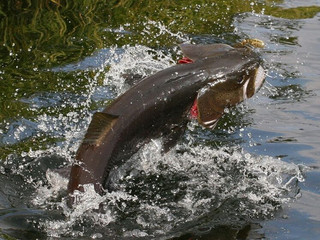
x=259 y=78
x=254 y=83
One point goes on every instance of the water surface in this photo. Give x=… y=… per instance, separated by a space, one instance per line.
x=256 y=176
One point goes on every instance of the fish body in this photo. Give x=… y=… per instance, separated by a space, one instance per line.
x=219 y=76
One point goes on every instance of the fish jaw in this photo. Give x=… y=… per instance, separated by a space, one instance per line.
x=260 y=77
x=254 y=83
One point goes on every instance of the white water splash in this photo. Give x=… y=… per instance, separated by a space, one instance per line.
x=150 y=61
x=208 y=177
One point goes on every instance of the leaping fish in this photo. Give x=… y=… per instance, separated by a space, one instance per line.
x=216 y=76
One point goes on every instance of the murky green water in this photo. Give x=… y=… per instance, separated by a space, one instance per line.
x=256 y=176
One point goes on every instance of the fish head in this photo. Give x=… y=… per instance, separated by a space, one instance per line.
x=226 y=92
x=235 y=74
x=237 y=87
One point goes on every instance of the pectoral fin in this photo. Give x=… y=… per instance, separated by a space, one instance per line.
x=209 y=109
x=99 y=127
x=196 y=52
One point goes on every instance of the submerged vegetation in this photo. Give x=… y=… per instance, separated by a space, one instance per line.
x=54 y=32
x=38 y=35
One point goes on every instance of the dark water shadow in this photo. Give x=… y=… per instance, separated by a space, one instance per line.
x=225 y=232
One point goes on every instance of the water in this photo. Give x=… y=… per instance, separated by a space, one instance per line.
x=256 y=176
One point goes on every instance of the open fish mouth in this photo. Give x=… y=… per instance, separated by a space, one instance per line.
x=254 y=84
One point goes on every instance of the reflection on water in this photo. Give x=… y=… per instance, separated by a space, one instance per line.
x=62 y=61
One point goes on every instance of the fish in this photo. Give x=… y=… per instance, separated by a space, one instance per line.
x=212 y=78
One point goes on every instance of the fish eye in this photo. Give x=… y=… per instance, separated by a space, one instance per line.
x=240 y=80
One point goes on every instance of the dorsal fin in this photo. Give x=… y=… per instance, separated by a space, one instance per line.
x=100 y=125
x=200 y=51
